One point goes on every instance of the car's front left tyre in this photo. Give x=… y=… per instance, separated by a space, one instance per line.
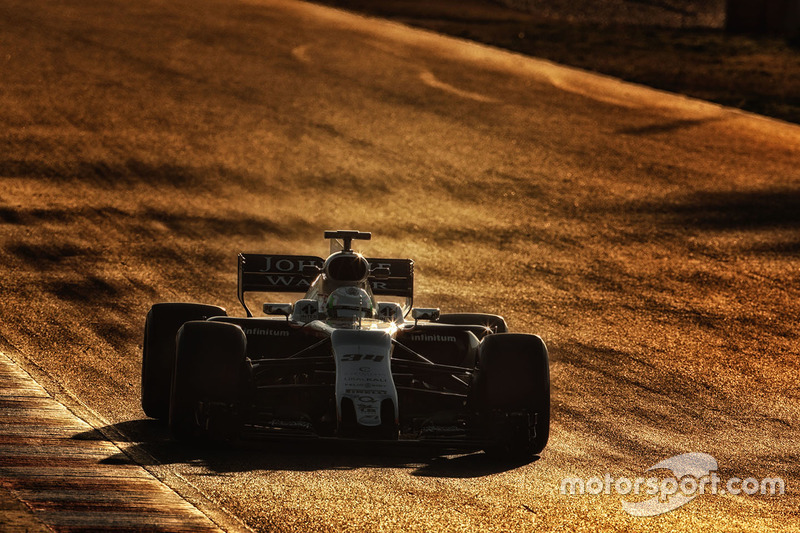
x=512 y=394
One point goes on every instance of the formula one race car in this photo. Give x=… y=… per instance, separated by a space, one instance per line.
x=340 y=363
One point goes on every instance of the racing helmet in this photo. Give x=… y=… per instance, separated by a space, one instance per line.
x=350 y=302
x=346 y=267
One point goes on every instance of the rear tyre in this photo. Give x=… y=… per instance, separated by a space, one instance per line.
x=495 y=322
x=209 y=381
x=512 y=394
x=158 y=351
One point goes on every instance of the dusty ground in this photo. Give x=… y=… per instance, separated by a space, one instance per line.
x=651 y=240
x=676 y=45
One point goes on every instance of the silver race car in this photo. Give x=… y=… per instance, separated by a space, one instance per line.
x=344 y=361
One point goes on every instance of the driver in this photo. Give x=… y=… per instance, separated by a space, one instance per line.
x=350 y=302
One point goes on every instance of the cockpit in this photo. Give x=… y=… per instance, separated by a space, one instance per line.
x=342 y=288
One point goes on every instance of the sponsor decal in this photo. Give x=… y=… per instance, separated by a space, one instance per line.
x=284 y=264
x=265 y=332
x=367 y=399
x=433 y=338
x=363 y=379
x=352 y=357
x=287 y=281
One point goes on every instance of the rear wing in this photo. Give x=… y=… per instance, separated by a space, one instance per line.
x=400 y=281
x=290 y=273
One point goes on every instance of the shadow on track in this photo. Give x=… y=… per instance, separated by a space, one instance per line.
x=741 y=210
x=770 y=213
x=668 y=126
x=115 y=174
x=150 y=445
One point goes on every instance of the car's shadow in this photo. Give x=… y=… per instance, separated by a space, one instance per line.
x=146 y=442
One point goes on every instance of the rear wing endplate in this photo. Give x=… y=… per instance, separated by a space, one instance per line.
x=290 y=273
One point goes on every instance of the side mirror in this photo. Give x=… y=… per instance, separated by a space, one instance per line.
x=390 y=312
x=278 y=309
x=305 y=311
x=425 y=313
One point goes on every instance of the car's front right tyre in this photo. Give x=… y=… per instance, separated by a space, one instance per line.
x=208 y=381
x=495 y=322
x=158 y=350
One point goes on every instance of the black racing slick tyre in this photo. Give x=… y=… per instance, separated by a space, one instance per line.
x=158 y=350
x=512 y=393
x=495 y=322
x=209 y=374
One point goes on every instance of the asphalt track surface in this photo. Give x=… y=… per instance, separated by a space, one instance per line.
x=651 y=240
